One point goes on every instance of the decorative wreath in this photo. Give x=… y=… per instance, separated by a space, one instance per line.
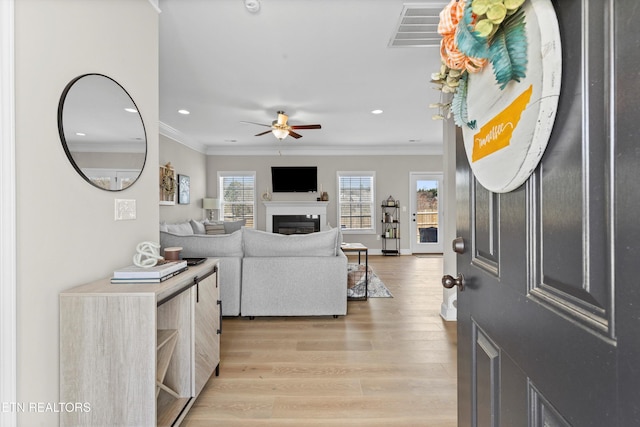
x=474 y=33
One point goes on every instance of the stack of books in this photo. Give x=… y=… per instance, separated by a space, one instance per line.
x=156 y=274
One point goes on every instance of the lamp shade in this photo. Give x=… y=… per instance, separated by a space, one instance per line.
x=210 y=204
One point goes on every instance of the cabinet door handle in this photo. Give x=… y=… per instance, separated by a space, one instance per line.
x=219 y=331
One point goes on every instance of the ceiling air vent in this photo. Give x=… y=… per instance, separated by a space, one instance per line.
x=418 y=25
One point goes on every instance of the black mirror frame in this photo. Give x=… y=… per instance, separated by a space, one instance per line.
x=64 y=140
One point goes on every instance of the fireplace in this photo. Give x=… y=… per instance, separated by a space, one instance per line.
x=296 y=224
x=301 y=208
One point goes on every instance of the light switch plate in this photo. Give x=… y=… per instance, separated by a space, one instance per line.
x=125 y=209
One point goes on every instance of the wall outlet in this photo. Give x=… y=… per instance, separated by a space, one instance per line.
x=377 y=237
x=125 y=209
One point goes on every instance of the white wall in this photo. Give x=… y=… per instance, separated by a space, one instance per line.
x=186 y=161
x=66 y=233
x=392 y=178
x=448 y=309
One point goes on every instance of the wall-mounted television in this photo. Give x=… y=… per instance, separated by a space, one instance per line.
x=294 y=179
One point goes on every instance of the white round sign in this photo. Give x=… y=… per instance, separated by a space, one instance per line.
x=513 y=125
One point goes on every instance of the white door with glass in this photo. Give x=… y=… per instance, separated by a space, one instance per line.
x=425 y=216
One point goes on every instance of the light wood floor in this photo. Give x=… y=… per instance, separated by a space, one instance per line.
x=390 y=362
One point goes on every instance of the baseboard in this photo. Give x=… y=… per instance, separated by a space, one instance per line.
x=450 y=314
x=449 y=309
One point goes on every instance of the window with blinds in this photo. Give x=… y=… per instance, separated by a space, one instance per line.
x=237 y=196
x=355 y=201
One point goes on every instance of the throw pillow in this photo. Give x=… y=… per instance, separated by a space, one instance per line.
x=198 y=227
x=233 y=226
x=182 y=228
x=214 y=228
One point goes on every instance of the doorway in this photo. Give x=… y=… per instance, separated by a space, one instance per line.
x=426 y=219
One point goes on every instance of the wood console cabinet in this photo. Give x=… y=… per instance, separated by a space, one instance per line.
x=139 y=354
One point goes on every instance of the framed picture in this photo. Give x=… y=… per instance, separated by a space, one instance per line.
x=167 y=185
x=183 y=189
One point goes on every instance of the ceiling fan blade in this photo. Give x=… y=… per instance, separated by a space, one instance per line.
x=294 y=135
x=282 y=118
x=254 y=123
x=306 y=127
x=263 y=133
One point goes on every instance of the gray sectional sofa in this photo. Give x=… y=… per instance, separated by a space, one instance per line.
x=267 y=274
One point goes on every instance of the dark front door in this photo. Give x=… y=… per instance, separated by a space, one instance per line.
x=548 y=321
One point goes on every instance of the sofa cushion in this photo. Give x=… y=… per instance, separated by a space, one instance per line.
x=203 y=245
x=262 y=244
x=181 y=228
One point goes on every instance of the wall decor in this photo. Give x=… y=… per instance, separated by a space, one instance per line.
x=102 y=132
x=183 y=189
x=167 y=185
x=502 y=68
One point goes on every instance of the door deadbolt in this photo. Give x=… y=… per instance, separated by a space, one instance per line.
x=458 y=245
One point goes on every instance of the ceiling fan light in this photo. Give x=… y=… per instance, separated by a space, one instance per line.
x=280 y=133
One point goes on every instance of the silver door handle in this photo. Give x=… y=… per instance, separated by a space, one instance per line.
x=449 y=282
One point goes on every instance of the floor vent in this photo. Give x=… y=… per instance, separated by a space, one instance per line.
x=418 y=25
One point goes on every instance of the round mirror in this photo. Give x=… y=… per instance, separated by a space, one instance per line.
x=102 y=132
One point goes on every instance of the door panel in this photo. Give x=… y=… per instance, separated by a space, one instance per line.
x=571 y=197
x=536 y=335
x=486 y=362
x=484 y=223
x=543 y=414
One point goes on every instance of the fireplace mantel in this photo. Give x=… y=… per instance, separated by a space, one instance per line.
x=296 y=208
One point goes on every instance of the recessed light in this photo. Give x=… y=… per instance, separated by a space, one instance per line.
x=376 y=112
x=252 y=6
x=185 y=112
x=130 y=110
x=81 y=134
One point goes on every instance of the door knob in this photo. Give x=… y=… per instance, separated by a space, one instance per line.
x=449 y=282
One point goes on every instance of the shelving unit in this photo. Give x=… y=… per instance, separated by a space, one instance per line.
x=390 y=228
x=140 y=353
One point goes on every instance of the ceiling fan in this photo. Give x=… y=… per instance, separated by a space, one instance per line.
x=281 y=129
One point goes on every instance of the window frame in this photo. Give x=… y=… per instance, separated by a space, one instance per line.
x=359 y=174
x=228 y=174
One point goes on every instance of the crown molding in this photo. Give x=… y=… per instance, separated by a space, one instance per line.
x=347 y=150
x=290 y=149
x=181 y=138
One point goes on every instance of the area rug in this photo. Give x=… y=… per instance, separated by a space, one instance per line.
x=376 y=288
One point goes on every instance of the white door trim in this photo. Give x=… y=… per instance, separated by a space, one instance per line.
x=426 y=248
x=8 y=245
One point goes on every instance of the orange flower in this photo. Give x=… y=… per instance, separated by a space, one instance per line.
x=450 y=16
